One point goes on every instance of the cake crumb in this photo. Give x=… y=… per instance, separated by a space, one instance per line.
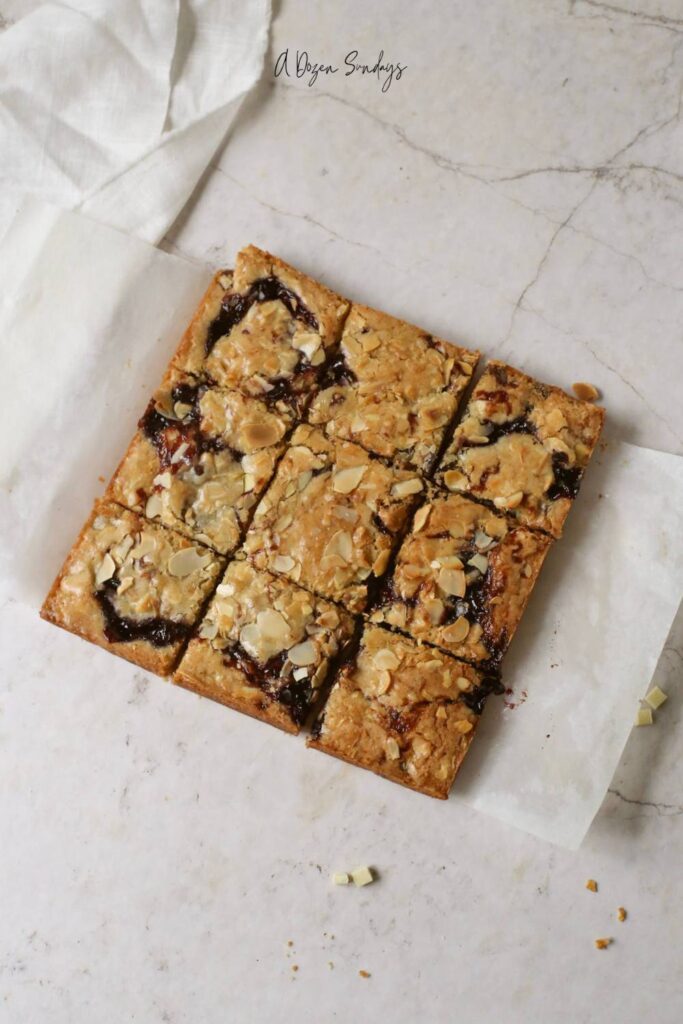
x=603 y=943
x=330 y=965
x=295 y=967
x=621 y=914
x=365 y=974
x=592 y=885
x=290 y=942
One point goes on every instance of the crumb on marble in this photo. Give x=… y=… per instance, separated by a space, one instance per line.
x=365 y=974
x=603 y=943
x=592 y=885
x=621 y=914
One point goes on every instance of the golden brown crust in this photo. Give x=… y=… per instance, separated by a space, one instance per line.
x=330 y=517
x=523 y=446
x=400 y=710
x=462 y=577
x=133 y=566
x=265 y=646
x=191 y=352
x=393 y=388
x=200 y=461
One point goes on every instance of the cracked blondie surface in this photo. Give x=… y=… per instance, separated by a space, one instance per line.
x=132 y=587
x=329 y=520
x=462 y=578
x=265 y=647
x=523 y=446
x=200 y=461
x=405 y=711
x=392 y=388
x=269 y=335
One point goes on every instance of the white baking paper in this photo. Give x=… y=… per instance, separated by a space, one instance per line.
x=116 y=107
x=88 y=320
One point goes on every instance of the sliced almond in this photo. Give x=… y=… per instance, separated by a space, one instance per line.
x=154 y=506
x=163 y=479
x=341 y=545
x=282 y=523
x=273 y=625
x=393 y=750
x=586 y=392
x=188 y=560
x=421 y=517
x=208 y=630
x=179 y=453
x=182 y=409
x=404 y=488
x=456 y=633
x=464 y=726
x=454 y=479
x=125 y=584
x=463 y=683
x=509 y=500
x=145 y=546
x=308 y=344
x=435 y=610
x=329 y=619
x=300 y=673
x=303 y=654
x=479 y=562
x=261 y=434
x=106 y=569
x=346 y=480
x=283 y=563
x=381 y=562
x=452 y=582
x=482 y=541
x=385 y=658
x=370 y=342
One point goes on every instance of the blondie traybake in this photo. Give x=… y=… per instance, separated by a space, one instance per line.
x=301 y=528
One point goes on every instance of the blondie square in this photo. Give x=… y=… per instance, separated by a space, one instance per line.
x=132 y=587
x=272 y=332
x=392 y=388
x=200 y=460
x=462 y=578
x=330 y=517
x=405 y=711
x=523 y=446
x=265 y=647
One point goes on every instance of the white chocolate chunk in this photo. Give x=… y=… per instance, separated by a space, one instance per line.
x=362 y=876
x=341 y=878
x=656 y=697
x=644 y=717
x=303 y=654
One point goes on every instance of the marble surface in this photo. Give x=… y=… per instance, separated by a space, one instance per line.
x=520 y=188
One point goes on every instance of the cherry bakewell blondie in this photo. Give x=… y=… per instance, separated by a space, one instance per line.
x=392 y=388
x=200 y=460
x=265 y=647
x=330 y=518
x=462 y=578
x=405 y=711
x=523 y=446
x=132 y=587
x=265 y=329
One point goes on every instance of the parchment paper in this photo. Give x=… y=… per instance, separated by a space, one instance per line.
x=88 y=320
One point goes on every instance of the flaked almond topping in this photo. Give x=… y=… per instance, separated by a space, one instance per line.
x=188 y=560
x=106 y=570
x=381 y=562
x=304 y=479
x=182 y=409
x=99 y=522
x=392 y=748
x=282 y=523
x=421 y=747
x=250 y=463
x=453 y=479
x=463 y=683
x=435 y=610
x=527 y=570
x=465 y=368
x=370 y=342
x=300 y=673
x=225 y=280
x=349 y=515
x=479 y=562
x=556 y=444
x=261 y=384
x=145 y=546
x=125 y=584
x=452 y=582
x=208 y=630
x=346 y=480
x=179 y=453
x=226 y=589
x=482 y=541
x=383 y=681
x=421 y=517
x=449 y=562
x=153 y=507
x=509 y=500
x=441 y=712
x=308 y=344
x=248 y=482
x=340 y=545
x=303 y=654
x=261 y=435
x=385 y=658
x=272 y=625
x=464 y=727
x=456 y=633
x=283 y=563
x=404 y=488
x=163 y=479
x=586 y=392
x=329 y=619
